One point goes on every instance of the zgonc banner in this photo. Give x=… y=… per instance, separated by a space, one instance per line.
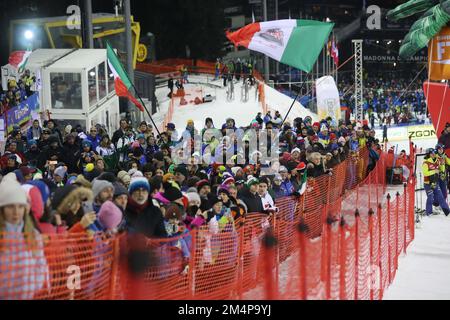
x=328 y=101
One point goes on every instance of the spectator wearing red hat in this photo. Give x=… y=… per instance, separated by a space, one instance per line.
x=299 y=179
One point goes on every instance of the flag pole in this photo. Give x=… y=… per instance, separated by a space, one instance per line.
x=292 y=105
x=145 y=107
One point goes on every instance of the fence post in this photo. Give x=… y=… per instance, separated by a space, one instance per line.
x=241 y=260
x=269 y=243
x=114 y=269
x=343 y=260
x=389 y=236
x=397 y=197
x=405 y=217
x=192 y=264
x=356 y=252
x=302 y=230
x=371 y=213
x=330 y=222
x=380 y=241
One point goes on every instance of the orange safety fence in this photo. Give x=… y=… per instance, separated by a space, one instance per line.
x=340 y=240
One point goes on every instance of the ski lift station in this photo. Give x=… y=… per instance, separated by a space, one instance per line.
x=75 y=86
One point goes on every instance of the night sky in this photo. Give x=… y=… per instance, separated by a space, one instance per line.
x=176 y=23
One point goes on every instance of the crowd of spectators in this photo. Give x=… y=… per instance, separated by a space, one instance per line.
x=389 y=98
x=16 y=92
x=65 y=180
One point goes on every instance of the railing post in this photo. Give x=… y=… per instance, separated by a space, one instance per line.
x=405 y=217
x=371 y=213
x=397 y=197
x=380 y=241
x=356 y=253
x=389 y=236
x=192 y=264
x=241 y=260
x=269 y=244
x=329 y=226
x=343 y=260
x=302 y=230
x=114 y=268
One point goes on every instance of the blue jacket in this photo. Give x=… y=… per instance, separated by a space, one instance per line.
x=287 y=188
x=94 y=141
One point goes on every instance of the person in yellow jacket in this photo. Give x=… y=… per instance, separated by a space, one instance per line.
x=430 y=170
x=444 y=164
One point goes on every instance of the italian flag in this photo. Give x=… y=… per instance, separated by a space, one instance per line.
x=296 y=43
x=122 y=82
x=19 y=59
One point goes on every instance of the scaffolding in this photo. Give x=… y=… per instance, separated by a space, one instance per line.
x=358 y=80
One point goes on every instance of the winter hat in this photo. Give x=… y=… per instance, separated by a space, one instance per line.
x=226 y=176
x=223 y=189
x=124 y=177
x=301 y=166
x=138 y=183
x=202 y=183
x=12 y=193
x=67 y=195
x=252 y=181
x=110 y=216
x=213 y=200
x=332 y=136
x=43 y=188
x=316 y=124
x=182 y=170
x=324 y=128
x=171 y=193
x=35 y=198
x=107 y=176
x=99 y=185
x=173 y=211
x=119 y=190
x=137 y=174
x=295 y=150
x=61 y=171
x=82 y=182
x=71 y=180
x=89 y=167
x=235 y=170
x=283 y=169
x=86 y=143
x=278 y=177
x=193 y=196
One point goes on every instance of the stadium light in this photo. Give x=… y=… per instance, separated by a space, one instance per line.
x=29 y=35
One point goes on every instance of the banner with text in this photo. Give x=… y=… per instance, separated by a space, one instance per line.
x=328 y=101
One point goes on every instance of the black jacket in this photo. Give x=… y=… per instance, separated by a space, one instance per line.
x=148 y=220
x=72 y=155
x=116 y=136
x=252 y=201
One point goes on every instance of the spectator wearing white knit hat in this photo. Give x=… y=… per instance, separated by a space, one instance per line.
x=30 y=273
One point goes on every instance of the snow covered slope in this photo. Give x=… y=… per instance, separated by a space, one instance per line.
x=220 y=109
x=423 y=273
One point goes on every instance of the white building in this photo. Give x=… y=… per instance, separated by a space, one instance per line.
x=76 y=86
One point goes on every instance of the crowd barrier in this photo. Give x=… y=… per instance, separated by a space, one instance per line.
x=340 y=240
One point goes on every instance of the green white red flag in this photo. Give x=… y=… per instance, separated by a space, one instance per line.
x=296 y=43
x=19 y=59
x=123 y=84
